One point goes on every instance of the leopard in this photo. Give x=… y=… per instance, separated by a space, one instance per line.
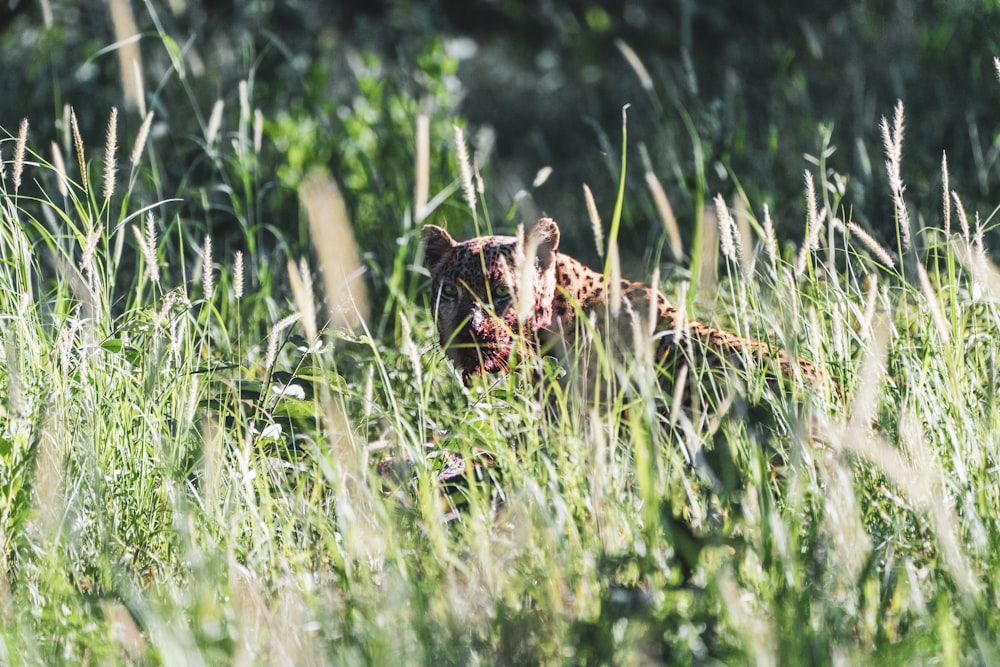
x=490 y=293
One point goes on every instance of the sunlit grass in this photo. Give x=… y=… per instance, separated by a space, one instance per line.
x=187 y=456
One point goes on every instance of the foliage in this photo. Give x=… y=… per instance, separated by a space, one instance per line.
x=188 y=450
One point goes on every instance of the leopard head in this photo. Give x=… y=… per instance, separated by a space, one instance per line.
x=488 y=291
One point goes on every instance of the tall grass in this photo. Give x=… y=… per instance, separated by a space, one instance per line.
x=180 y=487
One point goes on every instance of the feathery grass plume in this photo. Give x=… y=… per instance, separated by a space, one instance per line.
x=770 y=240
x=480 y=187
x=892 y=140
x=654 y=301
x=422 y=167
x=258 y=131
x=140 y=88
x=20 y=147
x=110 y=150
x=300 y=281
x=727 y=229
x=707 y=285
x=78 y=144
x=272 y=338
x=244 y=94
x=667 y=217
x=214 y=123
x=595 y=219
x=924 y=483
x=963 y=221
x=239 y=274
x=813 y=226
x=541 y=176
x=410 y=348
x=59 y=165
x=636 y=64
x=933 y=305
x=996 y=66
x=127 y=42
x=984 y=273
x=89 y=250
x=870 y=243
x=207 y=278
x=140 y=138
x=465 y=168
x=945 y=199
x=868 y=312
x=614 y=278
x=333 y=239
x=147 y=244
x=524 y=259
x=977 y=239
x=740 y=218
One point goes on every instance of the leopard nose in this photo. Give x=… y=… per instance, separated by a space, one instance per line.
x=476 y=318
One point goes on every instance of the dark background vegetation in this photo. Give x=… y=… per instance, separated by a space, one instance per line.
x=535 y=84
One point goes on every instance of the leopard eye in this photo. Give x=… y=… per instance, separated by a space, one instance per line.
x=449 y=291
x=502 y=291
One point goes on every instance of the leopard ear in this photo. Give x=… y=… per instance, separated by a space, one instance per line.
x=436 y=243
x=544 y=236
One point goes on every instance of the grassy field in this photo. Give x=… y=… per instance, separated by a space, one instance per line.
x=188 y=446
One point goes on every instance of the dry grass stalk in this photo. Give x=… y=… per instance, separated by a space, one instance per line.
x=963 y=220
x=933 y=305
x=62 y=181
x=244 y=95
x=740 y=217
x=258 y=131
x=214 y=123
x=615 y=278
x=636 y=64
x=89 y=251
x=982 y=269
x=667 y=217
x=140 y=138
x=129 y=57
x=332 y=237
x=422 y=167
x=707 y=285
x=300 y=281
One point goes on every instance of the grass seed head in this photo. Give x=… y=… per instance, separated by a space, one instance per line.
x=465 y=169
x=595 y=219
x=78 y=144
x=140 y=139
x=238 y=274
x=20 y=147
x=207 y=279
x=110 y=157
x=59 y=165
